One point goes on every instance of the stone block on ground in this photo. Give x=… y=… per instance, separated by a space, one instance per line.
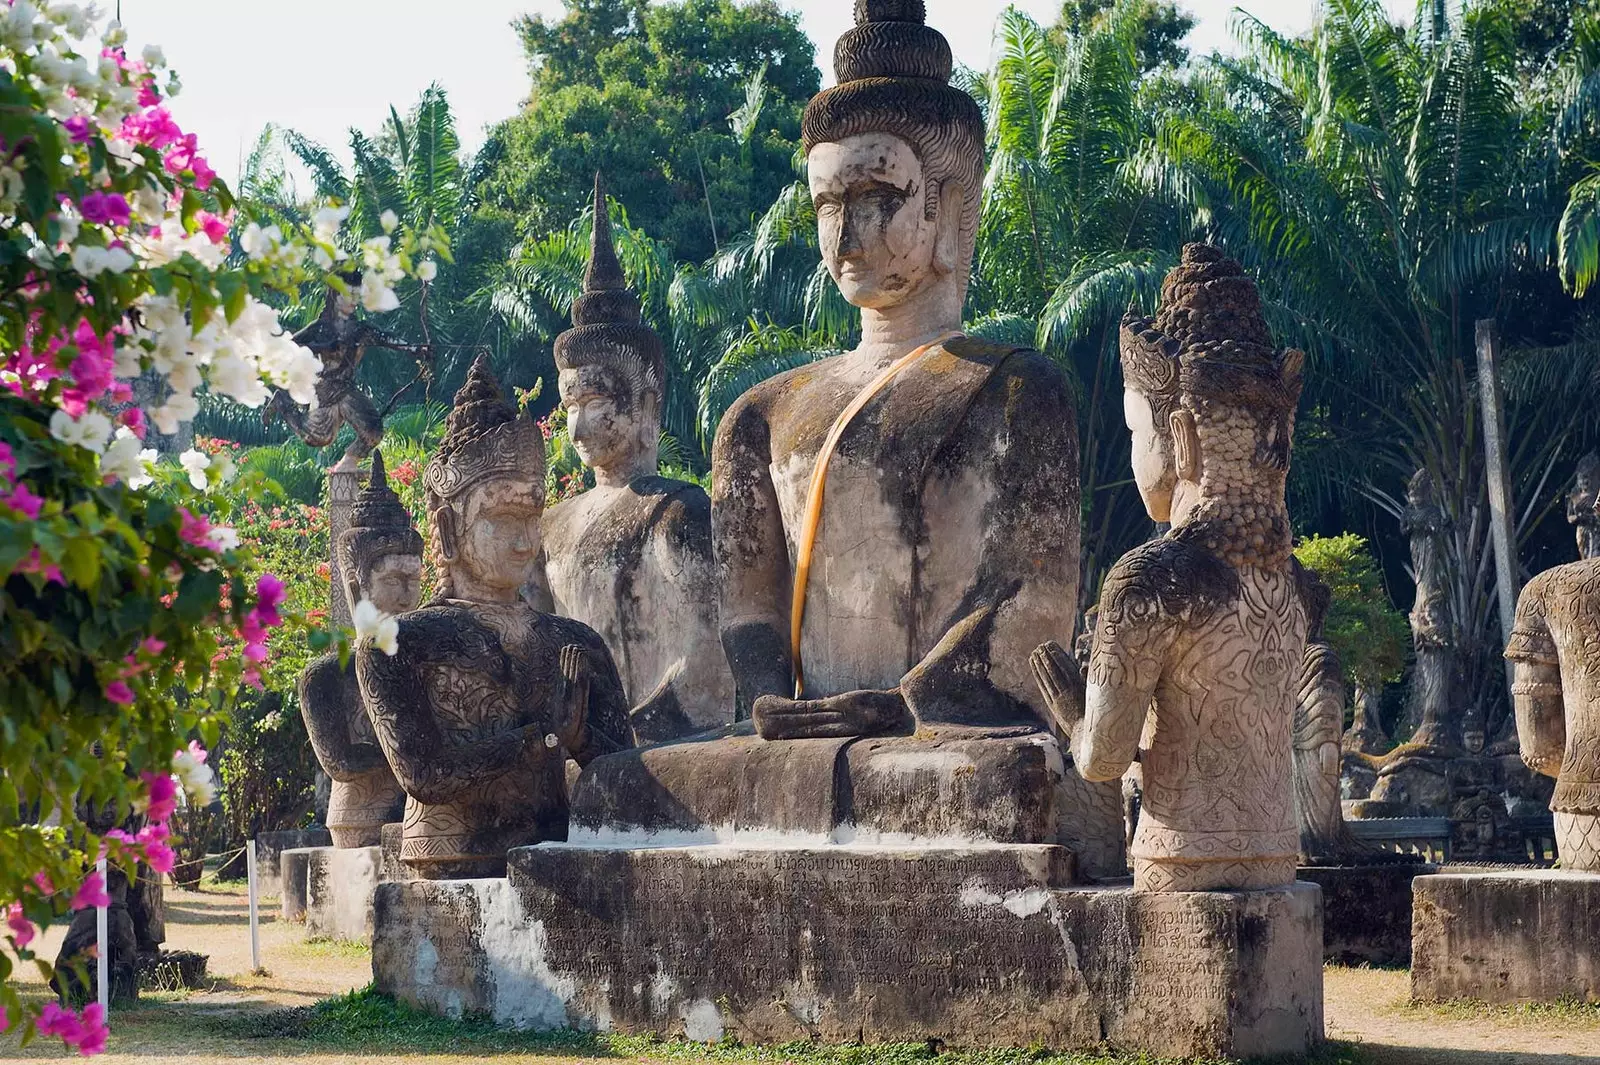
x=1366 y=910
x=294 y=867
x=1509 y=935
x=334 y=893
x=270 y=847
x=977 y=946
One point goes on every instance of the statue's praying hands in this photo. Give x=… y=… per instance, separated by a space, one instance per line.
x=1060 y=681
x=572 y=697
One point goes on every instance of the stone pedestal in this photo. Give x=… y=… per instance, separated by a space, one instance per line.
x=1506 y=936
x=1366 y=910
x=973 y=946
x=330 y=889
x=270 y=847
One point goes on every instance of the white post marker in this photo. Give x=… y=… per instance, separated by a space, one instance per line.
x=102 y=944
x=255 y=935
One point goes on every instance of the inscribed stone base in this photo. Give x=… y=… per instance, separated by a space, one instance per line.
x=330 y=889
x=1506 y=936
x=270 y=847
x=979 y=946
x=1366 y=911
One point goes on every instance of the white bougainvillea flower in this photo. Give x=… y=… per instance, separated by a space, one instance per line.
x=90 y=431
x=222 y=537
x=427 y=270
x=127 y=461
x=388 y=220
x=382 y=628
x=195 y=463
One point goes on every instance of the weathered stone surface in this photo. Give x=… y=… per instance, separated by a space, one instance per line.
x=486 y=696
x=1201 y=634
x=947 y=784
x=271 y=845
x=1506 y=936
x=338 y=891
x=1366 y=910
x=1555 y=648
x=390 y=839
x=973 y=946
x=631 y=557
x=294 y=867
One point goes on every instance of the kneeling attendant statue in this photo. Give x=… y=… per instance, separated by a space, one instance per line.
x=486 y=697
x=1200 y=634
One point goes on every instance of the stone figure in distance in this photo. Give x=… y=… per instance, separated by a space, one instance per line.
x=380 y=555
x=1201 y=633
x=1318 y=730
x=632 y=556
x=487 y=696
x=1555 y=652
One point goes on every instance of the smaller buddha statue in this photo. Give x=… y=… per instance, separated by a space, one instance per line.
x=380 y=555
x=1555 y=653
x=487 y=696
x=1581 y=512
x=1201 y=633
x=631 y=557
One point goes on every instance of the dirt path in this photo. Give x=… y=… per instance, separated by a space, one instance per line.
x=1371 y=1008
x=1365 y=1007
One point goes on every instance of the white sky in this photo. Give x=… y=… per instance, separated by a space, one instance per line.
x=322 y=66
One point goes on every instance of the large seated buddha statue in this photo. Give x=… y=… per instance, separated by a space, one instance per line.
x=486 y=696
x=896 y=527
x=631 y=557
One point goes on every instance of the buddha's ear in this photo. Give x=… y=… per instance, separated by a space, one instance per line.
x=352 y=590
x=444 y=526
x=1185 y=445
x=947 y=232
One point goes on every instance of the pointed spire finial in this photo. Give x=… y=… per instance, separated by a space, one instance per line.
x=604 y=273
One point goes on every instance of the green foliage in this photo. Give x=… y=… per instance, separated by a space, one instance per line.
x=646 y=93
x=1370 y=636
x=1162 y=28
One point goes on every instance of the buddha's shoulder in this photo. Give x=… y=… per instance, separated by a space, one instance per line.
x=1021 y=382
x=1167 y=576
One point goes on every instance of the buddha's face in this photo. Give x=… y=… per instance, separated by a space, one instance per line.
x=1154 y=468
x=494 y=534
x=610 y=427
x=394 y=583
x=871 y=218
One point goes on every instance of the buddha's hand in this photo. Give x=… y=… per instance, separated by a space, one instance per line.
x=572 y=697
x=1061 y=683
x=857 y=713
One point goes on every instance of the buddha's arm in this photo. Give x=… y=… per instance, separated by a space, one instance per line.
x=605 y=724
x=752 y=555
x=328 y=695
x=1021 y=440
x=1536 y=684
x=430 y=766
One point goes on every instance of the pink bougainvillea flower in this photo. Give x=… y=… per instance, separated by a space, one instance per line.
x=42 y=882
x=194 y=529
x=91 y=893
x=119 y=692
x=33 y=564
x=148 y=96
x=25 y=502
x=153 y=128
x=105 y=208
x=8 y=462
x=77 y=128
x=55 y=1019
x=159 y=856
x=215 y=228
x=5 y=1022
x=152 y=833
x=93 y=1031
x=21 y=928
x=269 y=596
x=252 y=677
x=197 y=752
x=133 y=418
x=162 y=801
x=152 y=646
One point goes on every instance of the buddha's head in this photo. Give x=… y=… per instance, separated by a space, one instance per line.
x=380 y=553
x=1149 y=397
x=894 y=159
x=1229 y=398
x=485 y=494
x=611 y=367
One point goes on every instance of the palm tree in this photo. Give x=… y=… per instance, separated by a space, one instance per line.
x=1387 y=188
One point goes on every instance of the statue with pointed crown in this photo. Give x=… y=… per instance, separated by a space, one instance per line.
x=380 y=555
x=485 y=697
x=632 y=556
x=1201 y=634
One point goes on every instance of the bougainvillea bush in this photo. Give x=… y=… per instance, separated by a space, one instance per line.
x=130 y=612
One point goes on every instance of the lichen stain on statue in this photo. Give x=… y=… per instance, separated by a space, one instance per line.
x=1555 y=651
x=487 y=696
x=1201 y=634
x=631 y=557
x=380 y=555
x=946 y=545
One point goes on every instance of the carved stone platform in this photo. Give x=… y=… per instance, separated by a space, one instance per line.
x=330 y=889
x=1506 y=936
x=976 y=946
x=1366 y=910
